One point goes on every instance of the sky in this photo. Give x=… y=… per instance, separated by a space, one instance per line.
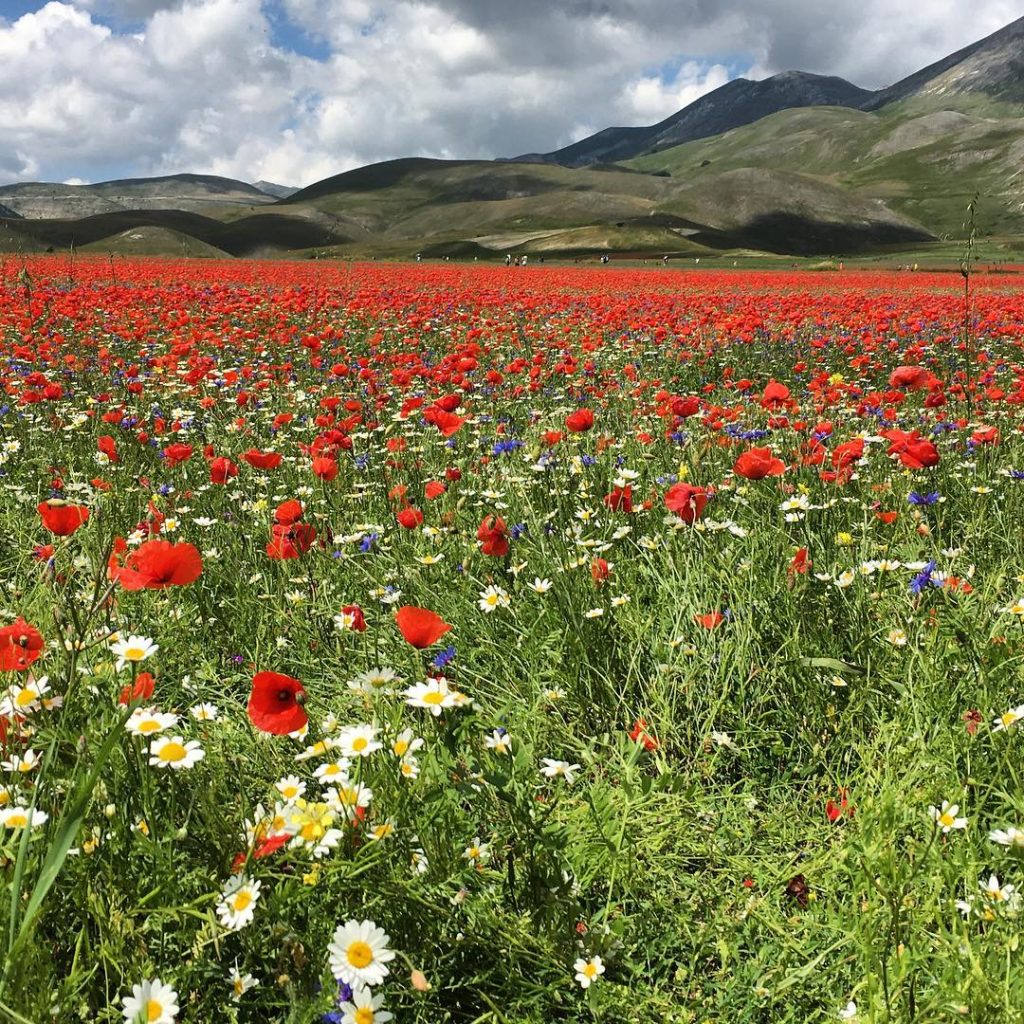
x=293 y=91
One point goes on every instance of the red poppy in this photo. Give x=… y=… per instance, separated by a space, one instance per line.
x=291 y=541
x=358 y=619
x=580 y=421
x=143 y=689
x=758 y=463
x=910 y=378
x=709 y=621
x=262 y=460
x=434 y=489
x=20 y=645
x=775 y=395
x=324 y=468
x=847 y=453
x=106 y=445
x=800 y=563
x=61 y=518
x=685 y=407
x=686 y=501
x=639 y=734
x=275 y=704
x=600 y=570
x=834 y=810
x=620 y=499
x=288 y=512
x=493 y=536
x=158 y=564
x=222 y=470
x=174 y=454
x=985 y=436
x=420 y=626
x=410 y=517
x=447 y=422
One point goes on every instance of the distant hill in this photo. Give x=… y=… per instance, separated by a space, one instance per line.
x=195 y=193
x=797 y=164
x=272 y=189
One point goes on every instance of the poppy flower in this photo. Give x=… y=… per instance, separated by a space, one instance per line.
x=291 y=541
x=758 y=463
x=433 y=490
x=685 y=407
x=420 y=627
x=639 y=734
x=175 y=454
x=158 y=564
x=834 y=810
x=775 y=395
x=20 y=645
x=275 y=704
x=324 y=468
x=61 y=518
x=580 y=421
x=106 y=445
x=354 y=614
x=710 y=620
x=262 y=460
x=620 y=499
x=447 y=422
x=288 y=512
x=410 y=517
x=600 y=570
x=910 y=378
x=222 y=470
x=800 y=563
x=493 y=536
x=142 y=689
x=686 y=501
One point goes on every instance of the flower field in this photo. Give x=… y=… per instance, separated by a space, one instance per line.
x=443 y=643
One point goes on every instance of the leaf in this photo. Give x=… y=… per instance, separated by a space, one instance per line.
x=834 y=665
x=62 y=839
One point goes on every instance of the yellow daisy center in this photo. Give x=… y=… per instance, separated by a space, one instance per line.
x=241 y=901
x=1008 y=718
x=400 y=747
x=359 y=954
x=17 y=821
x=173 y=752
x=149 y=725
x=154 y=1010
x=360 y=743
x=134 y=654
x=947 y=818
x=433 y=697
x=364 y=1015
x=590 y=971
x=26 y=697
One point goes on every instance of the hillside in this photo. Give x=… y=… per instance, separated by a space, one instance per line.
x=193 y=193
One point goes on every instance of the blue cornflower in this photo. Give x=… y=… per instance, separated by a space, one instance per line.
x=1017 y=474
x=589 y=460
x=923 y=579
x=444 y=657
x=518 y=529
x=362 y=461
x=928 y=498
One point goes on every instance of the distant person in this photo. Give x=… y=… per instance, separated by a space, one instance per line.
x=508 y=259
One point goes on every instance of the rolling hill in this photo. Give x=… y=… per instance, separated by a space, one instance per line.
x=797 y=164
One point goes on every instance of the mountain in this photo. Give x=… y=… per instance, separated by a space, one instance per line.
x=992 y=68
x=736 y=103
x=194 y=193
x=797 y=164
x=272 y=189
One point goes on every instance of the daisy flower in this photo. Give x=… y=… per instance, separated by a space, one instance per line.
x=21 y=763
x=540 y=586
x=359 y=954
x=152 y=1002
x=1012 y=837
x=493 y=598
x=1008 y=718
x=290 y=787
x=434 y=695
x=240 y=984
x=332 y=771
x=946 y=816
x=175 y=753
x=552 y=769
x=22 y=817
x=376 y=680
x=588 y=971
x=204 y=712
x=477 y=852
x=358 y=741
x=150 y=722
x=364 y=1008
x=21 y=700
x=238 y=902
x=499 y=741
x=133 y=650
x=406 y=742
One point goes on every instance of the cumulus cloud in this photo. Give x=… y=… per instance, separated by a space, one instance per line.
x=295 y=90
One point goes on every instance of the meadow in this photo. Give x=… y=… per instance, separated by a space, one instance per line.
x=498 y=645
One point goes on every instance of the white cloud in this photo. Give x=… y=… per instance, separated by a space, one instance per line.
x=100 y=88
